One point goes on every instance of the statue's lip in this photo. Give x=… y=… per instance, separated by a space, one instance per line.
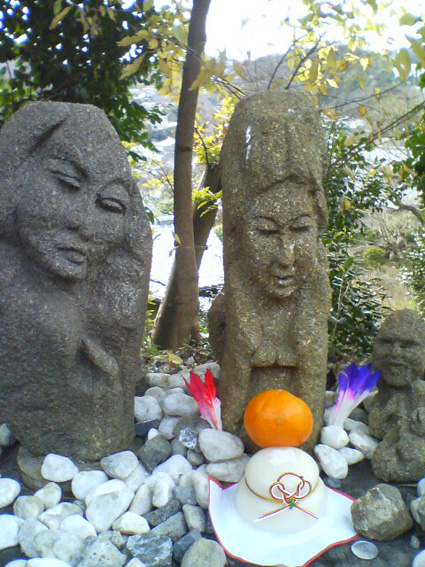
x=75 y=254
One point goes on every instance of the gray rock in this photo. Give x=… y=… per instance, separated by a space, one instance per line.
x=27 y=534
x=154 y=452
x=417 y=508
x=213 y=367
x=102 y=553
x=275 y=310
x=26 y=507
x=185 y=494
x=79 y=261
x=187 y=431
x=120 y=465
x=160 y=515
x=204 y=553
x=183 y=544
x=174 y=528
x=152 y=550
x=167 y=426
x=147 y=409
x=157 y=379
x=178 y=448
x=381 y=513
x=195 y=458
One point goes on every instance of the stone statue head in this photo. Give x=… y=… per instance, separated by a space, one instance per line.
x=399 y=349
x=70 y=198
x=272 y=164
x=75 y=251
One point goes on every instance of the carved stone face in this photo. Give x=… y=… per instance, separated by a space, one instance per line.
x=399 y=350
x=74 y=206
x=280 y=239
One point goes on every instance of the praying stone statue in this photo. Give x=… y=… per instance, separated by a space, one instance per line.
x=75 y=252
x=269 y=329
x=397 y=415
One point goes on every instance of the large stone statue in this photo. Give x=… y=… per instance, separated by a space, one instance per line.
x=270 y=327
x=75 y=252
x=398 y=411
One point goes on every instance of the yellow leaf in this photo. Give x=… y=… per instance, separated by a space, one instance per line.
x=350 y=140
x=147 y=5
x=362 y=110
x=330 y=113
x=342 y=66
x=176 y=238
x=360 y=81
x=239 y=69
x=314 y=70
x=59 y=17
x=174 y=359
x=102 y=10
x=377 y=92
x=132 y=67
x=331 y=60
x=418 y=49
x=332 y=83
x=323 y=89
x=402 y=63
x=345 y=204
x=57 y=7
x=364 y=62
x=202 y=79
x=111 y=14
x=388 y=172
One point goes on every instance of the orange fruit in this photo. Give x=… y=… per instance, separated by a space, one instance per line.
x=277 y=418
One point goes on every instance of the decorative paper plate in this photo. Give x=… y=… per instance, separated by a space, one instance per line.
x=243 y=541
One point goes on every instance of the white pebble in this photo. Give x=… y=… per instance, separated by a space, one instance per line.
x=175 y=466
x=157 y=393
x=186 y=479
x=142 y=501
x=213 y=367
x=6 y=436
x=228 y=471
x=83 y=482
x=146 y=408
x=352 y=456
x=201 y=486
x=421 y=487
x=135 y=563
x=332 y=462
x=58 y=468
x=131 y=524
x=107 y=502
x=9 y=530
x=176 y=381
x=334 y=436
x=363 y=442
x=179 y=404
x=220 y=445
x=9 y=490
x=353 y=425
x=166 y=427
x=120 y=465
x=194 y=517
x=27 y=534
x=419 y=560
x=152 y=433
x=155 y=379
x=78 y=526
x=53 y=517
x=161 y=493
x=47 y=562
x=26 y=507
x=17 y=563
x=50 y=494
x=137 y=477
x=68 y=547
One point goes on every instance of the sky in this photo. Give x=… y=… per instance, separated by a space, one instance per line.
x=240 y=26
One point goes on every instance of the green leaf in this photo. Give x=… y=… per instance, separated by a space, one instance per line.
x=133 y=67
x=408 y=20
x=59 y=17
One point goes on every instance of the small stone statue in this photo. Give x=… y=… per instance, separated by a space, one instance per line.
x=398 y=411
x=75 y=252
x=270 y=327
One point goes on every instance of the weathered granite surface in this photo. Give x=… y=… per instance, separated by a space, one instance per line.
x=75 y=252
x=269 y=330
x=398 y=411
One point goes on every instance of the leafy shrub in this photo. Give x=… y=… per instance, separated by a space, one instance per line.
x=374 y=257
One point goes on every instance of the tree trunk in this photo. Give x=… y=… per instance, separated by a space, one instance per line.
x=184 y=281
x=203 y=221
